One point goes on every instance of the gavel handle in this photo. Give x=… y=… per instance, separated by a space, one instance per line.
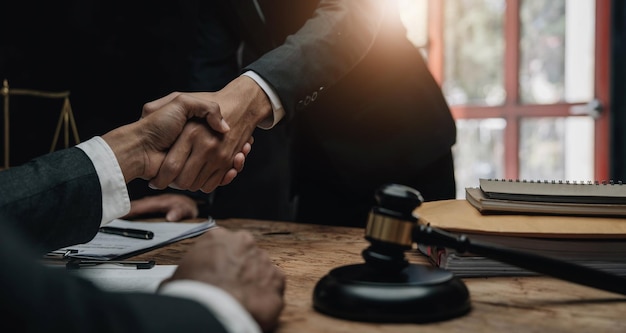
x=583 y=275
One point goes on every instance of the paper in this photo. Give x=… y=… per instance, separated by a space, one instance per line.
x=600 y=254
x=126 y=279
x=108 y=246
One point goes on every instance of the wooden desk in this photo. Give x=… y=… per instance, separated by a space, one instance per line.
x=529 y=304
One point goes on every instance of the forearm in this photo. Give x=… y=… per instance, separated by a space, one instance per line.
x=250 y=104
x=278 y=112
x=128 y=149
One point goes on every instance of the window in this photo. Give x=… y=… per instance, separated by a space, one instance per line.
x=527 y=82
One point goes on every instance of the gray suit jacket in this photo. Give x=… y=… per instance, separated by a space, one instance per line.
x=52 y=202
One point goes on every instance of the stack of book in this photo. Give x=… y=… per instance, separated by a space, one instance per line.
x=548 y=197
x=582 y=223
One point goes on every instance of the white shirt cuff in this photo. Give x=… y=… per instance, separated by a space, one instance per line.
x=278 y=112
x=224 y=306
x=115 y=199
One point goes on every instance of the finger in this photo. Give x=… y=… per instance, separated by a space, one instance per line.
x=174 y=215
x=193 y=106
x=217 y=122
x=140 y=207
x=202 y=108
x=172 y=164
x=150 y=107
x=196 y=170
x=247 y=239
x=214 y=181
x=238 y=161
x=228 y=177
x=247 y=147
x=207 y=173
x=238 y=164
x=179 y=213
x=144 y=206
x=204 y=168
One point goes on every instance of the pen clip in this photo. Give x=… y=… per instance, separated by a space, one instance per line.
x=139 y=264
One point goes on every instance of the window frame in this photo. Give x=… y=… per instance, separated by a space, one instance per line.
x=512 y=110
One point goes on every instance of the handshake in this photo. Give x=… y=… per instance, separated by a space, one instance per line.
x=191 y=141
x=188 y=141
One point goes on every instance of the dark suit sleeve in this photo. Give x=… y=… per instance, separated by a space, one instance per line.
x=35 y=298
x=55 y=201
x=327 y=47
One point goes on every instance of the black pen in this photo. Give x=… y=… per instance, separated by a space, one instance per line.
x=139 y=264
x=127 y=232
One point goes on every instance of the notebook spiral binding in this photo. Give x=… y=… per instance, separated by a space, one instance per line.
x=571 y=182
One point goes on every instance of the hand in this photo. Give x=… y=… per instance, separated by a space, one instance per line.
x=207 y=162
x=244 y=105
x=232 y=261
x=140 y=147
x=175 y=206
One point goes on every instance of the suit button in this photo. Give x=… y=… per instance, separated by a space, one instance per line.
x=307 y=100
x=314 y=96
x=300 y=105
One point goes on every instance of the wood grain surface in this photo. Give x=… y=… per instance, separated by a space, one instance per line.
x=529 y=304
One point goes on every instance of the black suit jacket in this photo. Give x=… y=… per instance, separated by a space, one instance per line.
x=52 y=202
x=359 y=96
x=359 y=90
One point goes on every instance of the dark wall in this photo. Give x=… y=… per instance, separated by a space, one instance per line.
x=113 y=56
x=618 y=91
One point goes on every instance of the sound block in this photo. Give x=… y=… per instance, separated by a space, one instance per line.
x=416 y=294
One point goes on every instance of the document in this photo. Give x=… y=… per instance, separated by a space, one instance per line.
x=107 y=246
x=126 y=279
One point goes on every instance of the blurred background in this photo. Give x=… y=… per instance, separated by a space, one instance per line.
x=537 y=87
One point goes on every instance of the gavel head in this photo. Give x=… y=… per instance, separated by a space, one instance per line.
x=390 y=226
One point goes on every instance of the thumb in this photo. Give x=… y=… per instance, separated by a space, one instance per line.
x=196 y=106
x=150 y=107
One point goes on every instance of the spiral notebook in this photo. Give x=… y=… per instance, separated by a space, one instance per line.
x=555 y=191
x=548 y=197
x=485 y=205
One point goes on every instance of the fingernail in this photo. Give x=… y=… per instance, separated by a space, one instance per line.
x=150 y=185
x=225 y=124
x=172 y=217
